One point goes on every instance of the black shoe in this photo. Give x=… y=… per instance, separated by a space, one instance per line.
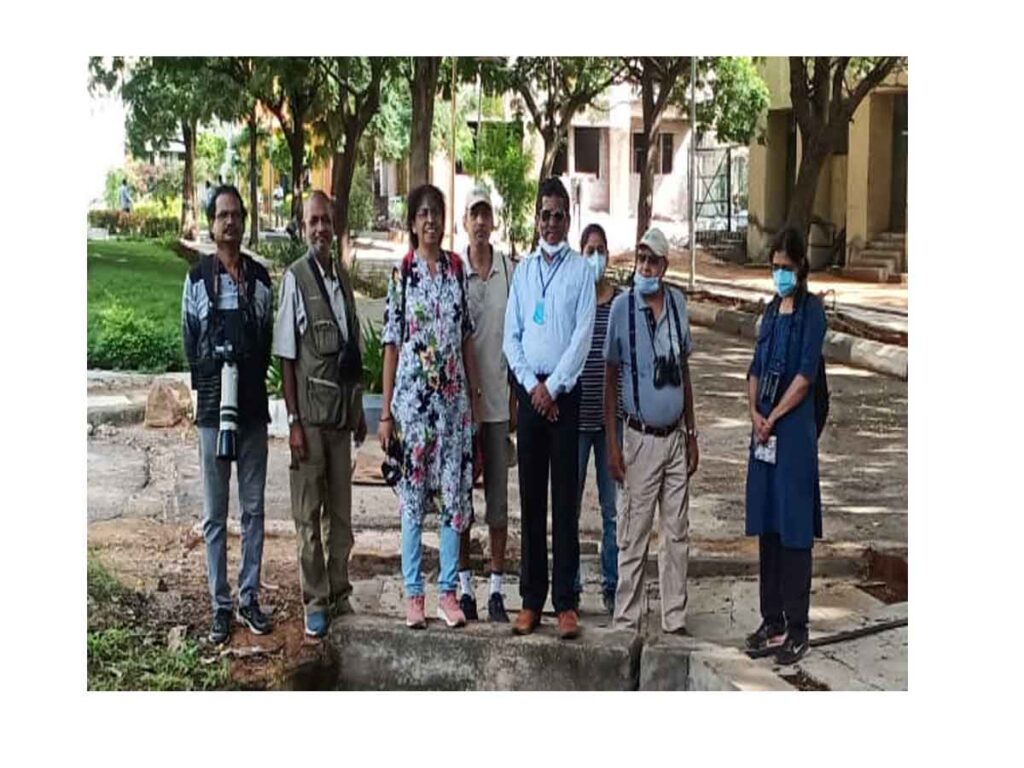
x=609 y=603
x=467 y=604
x=254 y=619
x=766 y=636
x=496 y=609
x=220 y=630
x=791 y=651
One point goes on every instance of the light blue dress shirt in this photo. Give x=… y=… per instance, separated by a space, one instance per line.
x=558 y=346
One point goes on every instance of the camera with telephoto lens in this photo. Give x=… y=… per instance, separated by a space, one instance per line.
x=227 y=437
x=666 y=372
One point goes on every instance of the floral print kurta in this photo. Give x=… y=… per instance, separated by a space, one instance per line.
x=430 y=403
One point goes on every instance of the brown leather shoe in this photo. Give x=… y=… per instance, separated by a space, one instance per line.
x=526 y=622
x=568 y=625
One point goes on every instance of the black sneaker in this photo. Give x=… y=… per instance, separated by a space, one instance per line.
x=496 y=609
x=609 y=603
x=766 y=636
x=220 y=630
x=467 y=604
x=254 y=619
x=791 y=651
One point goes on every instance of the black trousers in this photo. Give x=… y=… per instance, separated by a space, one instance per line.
x=545 y=447
x=785 y=584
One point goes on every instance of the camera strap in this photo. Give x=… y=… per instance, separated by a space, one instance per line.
x=632 y=354
x=315 y=269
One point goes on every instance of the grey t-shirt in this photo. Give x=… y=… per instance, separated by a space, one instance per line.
x=487 y=300
x=658 y=407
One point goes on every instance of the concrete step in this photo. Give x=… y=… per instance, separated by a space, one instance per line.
x=893 y=237
x=882 y=249
x=876 y=259
x=867 y=274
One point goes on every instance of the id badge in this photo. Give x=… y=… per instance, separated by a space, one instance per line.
x=538 y=312
x=766 y=451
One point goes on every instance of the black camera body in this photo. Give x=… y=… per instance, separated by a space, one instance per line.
x=391 y=467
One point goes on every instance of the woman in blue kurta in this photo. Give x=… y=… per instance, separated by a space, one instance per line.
x=783 y=495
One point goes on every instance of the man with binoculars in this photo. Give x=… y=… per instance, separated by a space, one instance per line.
x=649 y=335
x=227 y=320
x=317 y=338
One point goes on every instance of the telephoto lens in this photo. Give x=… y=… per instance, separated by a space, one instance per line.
x=227 y=438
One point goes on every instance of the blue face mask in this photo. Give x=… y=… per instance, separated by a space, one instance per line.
x=785 y=281
x=644 y=285
x=597 y=261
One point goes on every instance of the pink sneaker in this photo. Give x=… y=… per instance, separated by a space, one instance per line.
x=415 y=615
x=448 y=610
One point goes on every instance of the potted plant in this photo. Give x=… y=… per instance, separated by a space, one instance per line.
x=373 y=376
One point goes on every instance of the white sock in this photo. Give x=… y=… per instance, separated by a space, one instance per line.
x=466 y=582
x=495 y=583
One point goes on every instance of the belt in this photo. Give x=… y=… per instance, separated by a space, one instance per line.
x=647 y=429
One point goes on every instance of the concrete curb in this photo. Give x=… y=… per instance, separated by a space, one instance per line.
x=841 y=348
x=670 y=663
x=116 y=415
x=376 y=653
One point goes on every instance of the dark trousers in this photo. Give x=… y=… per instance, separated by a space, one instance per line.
x=544 y=446
x=785 y=585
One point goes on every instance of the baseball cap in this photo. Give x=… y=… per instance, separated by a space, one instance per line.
x=476 y=195
x=655 y=239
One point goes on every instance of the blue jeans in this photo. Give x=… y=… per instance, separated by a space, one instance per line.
x=412 y=556
x=606 y=497
x=252 y=476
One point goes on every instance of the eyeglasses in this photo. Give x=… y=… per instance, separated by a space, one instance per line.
x=648 y=257
x=546 y=215
x=426 y=212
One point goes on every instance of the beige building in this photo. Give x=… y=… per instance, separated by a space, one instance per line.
x=862 y=190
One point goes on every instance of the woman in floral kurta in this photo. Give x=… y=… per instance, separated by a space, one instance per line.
x=428 y=404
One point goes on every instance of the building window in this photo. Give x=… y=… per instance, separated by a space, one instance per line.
x=586 y=151
x=639 y=142
x=666 y=152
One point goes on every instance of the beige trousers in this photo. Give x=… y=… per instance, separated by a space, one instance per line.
x=655 y=475
x=321 y=491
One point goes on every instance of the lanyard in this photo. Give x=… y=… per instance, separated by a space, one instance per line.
x=652 y=326
x=540 y=274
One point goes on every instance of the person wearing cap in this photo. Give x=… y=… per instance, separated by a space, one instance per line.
x=489 y=277
x=649 y=338
x=548 y=324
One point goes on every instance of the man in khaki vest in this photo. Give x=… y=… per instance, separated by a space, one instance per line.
x=317 y=338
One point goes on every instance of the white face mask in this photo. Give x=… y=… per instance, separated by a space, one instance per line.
x=553 y=250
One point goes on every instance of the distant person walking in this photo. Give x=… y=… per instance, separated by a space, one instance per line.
x=124 y=197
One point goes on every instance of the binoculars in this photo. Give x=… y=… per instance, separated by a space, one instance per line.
x=666 y=372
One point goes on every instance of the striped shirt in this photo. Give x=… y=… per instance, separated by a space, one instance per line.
x=592 y=378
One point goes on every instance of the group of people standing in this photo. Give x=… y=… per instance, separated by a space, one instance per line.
x=478 y=348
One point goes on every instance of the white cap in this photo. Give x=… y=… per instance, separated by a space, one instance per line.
x=478 y=194
x=655 y=239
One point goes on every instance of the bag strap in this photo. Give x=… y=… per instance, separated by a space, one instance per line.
x=632 y=353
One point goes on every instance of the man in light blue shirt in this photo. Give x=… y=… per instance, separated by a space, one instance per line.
x=548 y=324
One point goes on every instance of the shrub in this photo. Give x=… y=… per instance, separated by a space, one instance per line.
x=373 y=359
x=135 y=224
x=275 y=378
x=126 y=340
x=282 y=252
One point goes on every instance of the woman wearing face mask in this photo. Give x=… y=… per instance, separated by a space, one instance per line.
x=783 y=496
x=594 y=247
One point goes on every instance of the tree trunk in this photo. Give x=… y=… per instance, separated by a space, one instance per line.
x=344 y=167
x=645 y=197
x=550 y=137
x=189 y=227
x=296 y=147
x=423 y=87
x=816 y=150
x=254 y=227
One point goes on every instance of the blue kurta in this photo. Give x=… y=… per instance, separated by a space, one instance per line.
x=785 y=498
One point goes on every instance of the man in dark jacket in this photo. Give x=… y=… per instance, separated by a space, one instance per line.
x=227 y=314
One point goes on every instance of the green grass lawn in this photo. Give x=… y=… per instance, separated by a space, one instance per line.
x=143 y=275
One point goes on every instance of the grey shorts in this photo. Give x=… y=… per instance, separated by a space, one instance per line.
x=495 y=448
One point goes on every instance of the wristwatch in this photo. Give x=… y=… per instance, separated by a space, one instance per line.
x=692 y=433
x=293 y=418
